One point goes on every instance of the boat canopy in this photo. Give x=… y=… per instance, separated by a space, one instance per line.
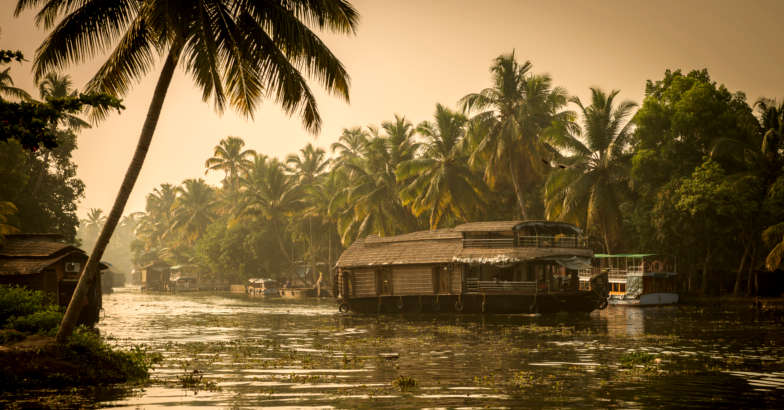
x=573 y=262
x=622 y=255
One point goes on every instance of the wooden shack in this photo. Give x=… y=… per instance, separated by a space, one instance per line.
x=45 y=262
x=500 y=266
x=155 y=276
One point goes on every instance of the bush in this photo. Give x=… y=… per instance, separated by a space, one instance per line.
x=19 y=301
x=39 y=322
x=84 y=360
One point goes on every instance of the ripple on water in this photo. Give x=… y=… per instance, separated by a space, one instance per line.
x=283 y=353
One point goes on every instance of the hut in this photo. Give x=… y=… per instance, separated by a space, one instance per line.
x=500 y=266
x=45 y=262
x=155 y=276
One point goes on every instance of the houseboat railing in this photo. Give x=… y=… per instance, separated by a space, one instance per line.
x=488 y=243
x=570 y=241
x=616 y=274
x=501 y=286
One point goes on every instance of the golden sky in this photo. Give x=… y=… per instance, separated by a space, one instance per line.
x=409 y=55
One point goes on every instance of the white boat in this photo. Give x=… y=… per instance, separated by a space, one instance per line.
x=636 y=279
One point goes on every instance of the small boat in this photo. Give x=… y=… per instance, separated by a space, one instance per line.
x=297 y=293
x=263 y=287
x=643 y=279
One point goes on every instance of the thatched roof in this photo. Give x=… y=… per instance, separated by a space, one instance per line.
x=33 y=245
x=414 y=248
x=25 y=254
x=487 y=226
x=443 y=246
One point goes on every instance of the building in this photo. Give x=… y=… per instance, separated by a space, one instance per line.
x=45 y=262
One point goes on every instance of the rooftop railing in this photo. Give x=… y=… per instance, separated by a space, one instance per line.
x=538 y=241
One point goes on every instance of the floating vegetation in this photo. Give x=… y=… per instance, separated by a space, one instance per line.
x=404 y=383
x=637 y=358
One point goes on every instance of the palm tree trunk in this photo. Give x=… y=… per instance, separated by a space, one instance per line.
x=87 y=278
x=751 y=269
x=736 y=288
x=518 y=190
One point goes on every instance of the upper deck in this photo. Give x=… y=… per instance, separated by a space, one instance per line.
x=475 y=242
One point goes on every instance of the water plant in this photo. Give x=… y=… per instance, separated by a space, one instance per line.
x=404 y=383
x=637 y=358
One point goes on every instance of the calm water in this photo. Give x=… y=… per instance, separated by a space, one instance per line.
x=233 y=352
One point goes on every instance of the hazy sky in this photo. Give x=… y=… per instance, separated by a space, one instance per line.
x=409 y=55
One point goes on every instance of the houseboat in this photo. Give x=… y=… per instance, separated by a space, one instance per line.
x=478 y=267
x=263 y=287
x=643 y=279
x=184 y=278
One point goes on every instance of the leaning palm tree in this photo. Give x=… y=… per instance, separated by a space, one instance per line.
x=586 y=187
x=237 y=51
x=441 y=182
x=515 y=113
x=230 y=158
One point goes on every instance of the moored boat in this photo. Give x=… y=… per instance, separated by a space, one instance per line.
x=643 y=279
x=297 y=293
x=263 y=287
x=492 y=267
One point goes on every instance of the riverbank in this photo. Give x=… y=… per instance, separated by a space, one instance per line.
x=30 y=358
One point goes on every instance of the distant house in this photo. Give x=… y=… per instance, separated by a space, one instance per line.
x=45 y=262
x=155 y=276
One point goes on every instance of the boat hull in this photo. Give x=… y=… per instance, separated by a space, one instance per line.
x=297 y=293
x=649 y=299
x=473 y=303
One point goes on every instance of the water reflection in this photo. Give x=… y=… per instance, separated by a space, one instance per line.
x=267 y=352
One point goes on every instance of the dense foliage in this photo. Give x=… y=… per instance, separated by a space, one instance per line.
x=692 y=173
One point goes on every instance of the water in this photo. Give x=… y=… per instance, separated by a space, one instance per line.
x=280 y=353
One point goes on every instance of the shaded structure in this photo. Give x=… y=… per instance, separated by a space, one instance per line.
x=45 y=262
x=155 y=276
x=500 y=266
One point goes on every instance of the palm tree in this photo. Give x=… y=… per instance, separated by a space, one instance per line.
x=54 y=85
x=194 y=209
x=7 y=209
x=154 y=224
x=441 y=182
x=516 y=113
x=237 y=51
x=758 y=161
x=270 y=196
x=230 y=158
x=7 y=88
x=370 y=202
x=351 y=144
x=586 y=187
x=308 y=165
